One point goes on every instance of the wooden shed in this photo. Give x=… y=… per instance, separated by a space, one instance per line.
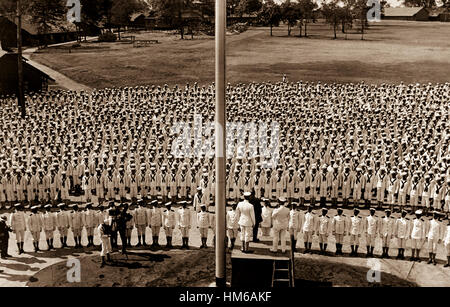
x=34 y=80
x=405 y=13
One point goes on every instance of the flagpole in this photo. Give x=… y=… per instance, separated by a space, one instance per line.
x=20 y=94
x=220 y=139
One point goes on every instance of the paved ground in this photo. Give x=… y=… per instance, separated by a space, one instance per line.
x=339 y=271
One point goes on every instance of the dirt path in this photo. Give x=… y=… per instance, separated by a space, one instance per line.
x=60 y=79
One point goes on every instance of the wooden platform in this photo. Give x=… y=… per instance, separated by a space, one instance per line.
x=255 y=269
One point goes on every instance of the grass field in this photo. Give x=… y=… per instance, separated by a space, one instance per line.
x=392 y=51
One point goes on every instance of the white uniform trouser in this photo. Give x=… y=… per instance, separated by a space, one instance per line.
x=323 y=238
x=232 y=232
x=293 y=232
x=416 y=243
x=63 y=231
x=370 y=239
x=155 y=230
x=401 y=242
x=35 y=235
x=447 y=248
x=48 y=233
x=20 y=235
x=386 y=240
x=246 y=233
x=432 y=245
x=354 y=239
x=141 y=229
x=184 y=232
x=89 y=231
x=279 y=234
x=168 y=231
x=106 y=246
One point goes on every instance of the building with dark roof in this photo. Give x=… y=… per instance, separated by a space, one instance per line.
x=31 y=35
x=405 y=13
x=34 y=80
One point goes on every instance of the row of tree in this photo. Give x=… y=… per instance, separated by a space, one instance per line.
x=48 y=14
x=337 y=13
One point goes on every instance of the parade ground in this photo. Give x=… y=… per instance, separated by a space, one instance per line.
x=391 y=52
x=146 y=266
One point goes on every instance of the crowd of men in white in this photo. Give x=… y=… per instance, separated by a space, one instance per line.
x=338 y=144
x=285 y=219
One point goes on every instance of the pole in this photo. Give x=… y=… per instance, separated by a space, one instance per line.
x=20 y=96
x=220 y=143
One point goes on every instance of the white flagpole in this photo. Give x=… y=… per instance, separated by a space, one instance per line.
x=220 y=143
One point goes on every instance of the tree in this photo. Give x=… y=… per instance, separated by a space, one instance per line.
x=289 y=14
x=307 y=8
x=232 y=6
x=46 y=14
x=346 y=16
x=417 y=3
x=248 y=7
x=270 y=14
x=121 y=11
x=360 y=14
x=332 y=15
x=91 y=14
x=170 y=12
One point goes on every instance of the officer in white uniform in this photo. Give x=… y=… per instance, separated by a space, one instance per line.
x=323 y=230
x=232 y=224
x=246 y=214
x=17 y=221
x=417 y=235
x=308 y=228
x=339 y=228
x=402 y=232
x=89 y=223
x=105 y=238
x=184 y=223
x=371 y=228
x=169 y=223
x=35 y=226
x=434 y=234
x=356 y=230
x=447 y=243
x=155 y=221
x=203 y=225
x=295 y=224
x=266 y=215
x=76 y=224
x=387 y=227
x=49 y=225
x=280 y=221
x=141 y=221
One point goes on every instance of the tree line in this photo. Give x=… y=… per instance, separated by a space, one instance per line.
x=48 y=14
x=108 y=14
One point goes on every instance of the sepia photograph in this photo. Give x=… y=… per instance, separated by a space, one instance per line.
x=205 y=147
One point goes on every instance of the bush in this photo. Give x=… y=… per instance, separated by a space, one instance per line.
x=238 y=28
x=107 y=37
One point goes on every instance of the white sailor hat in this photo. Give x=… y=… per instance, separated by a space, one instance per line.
x=418 y=211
